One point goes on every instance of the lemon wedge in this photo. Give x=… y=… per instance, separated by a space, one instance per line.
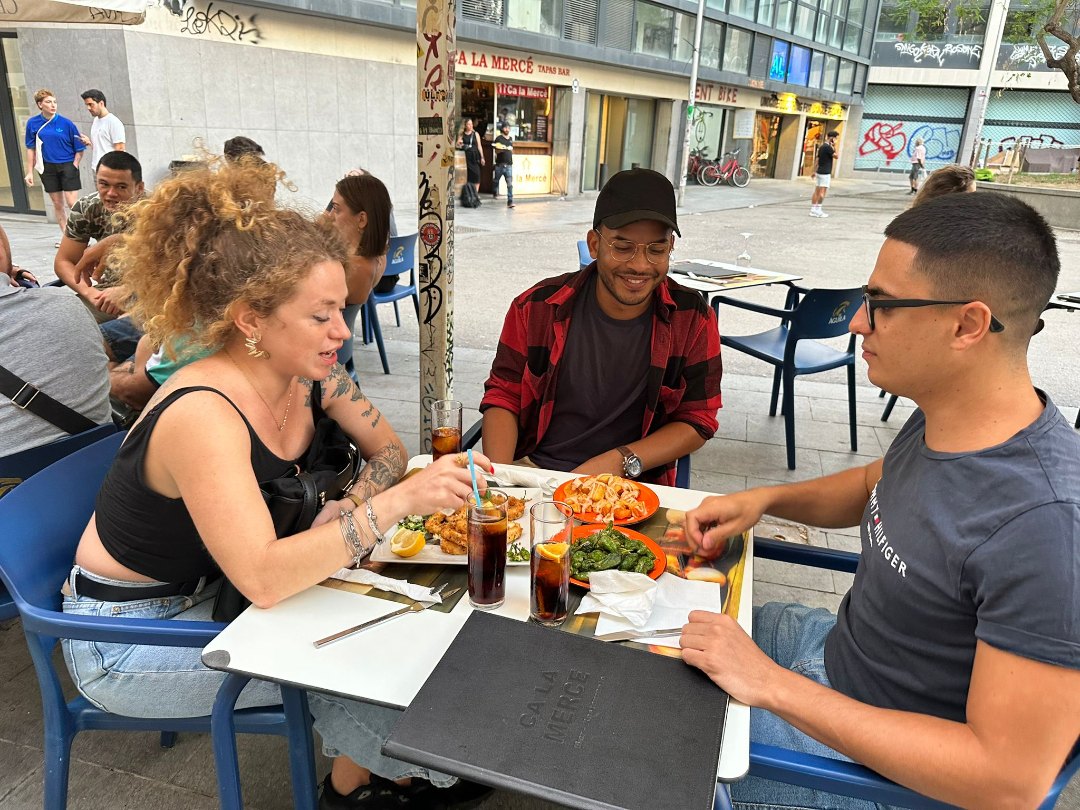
x=552 y=551
x=407 y=543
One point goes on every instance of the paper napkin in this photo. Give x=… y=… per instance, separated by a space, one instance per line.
x=675 y=599
x=621 y=594
x=519 y=478
x=421 y=593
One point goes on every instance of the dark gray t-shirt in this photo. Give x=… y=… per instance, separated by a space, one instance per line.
x=958 y=547
x=600 y=387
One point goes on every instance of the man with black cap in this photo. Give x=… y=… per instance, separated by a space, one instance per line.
x=614 y=368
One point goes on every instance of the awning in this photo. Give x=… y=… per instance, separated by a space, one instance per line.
x=100 y=12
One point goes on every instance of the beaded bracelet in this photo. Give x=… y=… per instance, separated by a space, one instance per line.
x=373 y=523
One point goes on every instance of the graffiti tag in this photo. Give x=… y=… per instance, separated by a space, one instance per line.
x=937 y=51
x=1041 y=139
x=941 y=142
x=218 y=21
x=1031 y=56
x=889 y=139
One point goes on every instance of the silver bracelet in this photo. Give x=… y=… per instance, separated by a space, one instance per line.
x=352 y=538
x=373 y=523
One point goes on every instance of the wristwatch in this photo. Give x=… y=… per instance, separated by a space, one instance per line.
x=631 y=464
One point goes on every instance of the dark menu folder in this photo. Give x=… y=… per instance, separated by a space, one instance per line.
x=566 y=718
x=706 y=270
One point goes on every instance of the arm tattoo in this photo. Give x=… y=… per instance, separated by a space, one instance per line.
x=383 y=470
x=343 y=384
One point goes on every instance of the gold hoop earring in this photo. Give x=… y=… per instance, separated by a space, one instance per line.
x=252 y=343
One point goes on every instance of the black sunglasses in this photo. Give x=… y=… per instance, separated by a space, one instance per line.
x=908 y=303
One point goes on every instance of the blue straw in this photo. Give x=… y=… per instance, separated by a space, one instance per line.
x=472 y=472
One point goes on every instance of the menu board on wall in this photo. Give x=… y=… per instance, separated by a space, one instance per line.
x=541 y=132
x=744 y=124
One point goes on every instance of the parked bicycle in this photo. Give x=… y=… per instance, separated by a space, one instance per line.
x=698 y=159
x=728 y=171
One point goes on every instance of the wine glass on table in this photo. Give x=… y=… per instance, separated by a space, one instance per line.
x=743 y=259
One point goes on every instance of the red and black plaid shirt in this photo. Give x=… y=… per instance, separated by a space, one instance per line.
x=684 y=371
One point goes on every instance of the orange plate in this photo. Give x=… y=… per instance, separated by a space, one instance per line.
x=646 y=496
x=581 y=532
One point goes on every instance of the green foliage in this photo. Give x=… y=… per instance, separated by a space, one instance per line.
x=934 y=17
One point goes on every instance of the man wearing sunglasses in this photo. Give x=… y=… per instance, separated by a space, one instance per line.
x=953 y=663
x=614 y=368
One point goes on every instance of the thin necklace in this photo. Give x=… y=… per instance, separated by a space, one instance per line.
x=251 y=382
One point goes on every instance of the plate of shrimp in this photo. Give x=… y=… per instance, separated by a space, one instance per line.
x=608 y=498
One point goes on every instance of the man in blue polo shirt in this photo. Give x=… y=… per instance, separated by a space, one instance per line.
x=61 y=151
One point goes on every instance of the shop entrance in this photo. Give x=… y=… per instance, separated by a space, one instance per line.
x=14 y=113
x=766 y=143
x=619 y=134
x=813 y=137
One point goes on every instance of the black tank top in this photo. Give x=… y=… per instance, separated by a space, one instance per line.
x=154 y=535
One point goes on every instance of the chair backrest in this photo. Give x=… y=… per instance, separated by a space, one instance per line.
x=824 y=314
x=583 y=257
x=20 y=466
x=43 y=519
x=401 y=256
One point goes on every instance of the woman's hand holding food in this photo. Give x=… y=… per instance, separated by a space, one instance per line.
x=718 y=517
x=444 y=484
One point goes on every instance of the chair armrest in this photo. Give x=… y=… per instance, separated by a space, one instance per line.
x=735 y=302
x=823 y=773
x=472 y=435
x=812 y=556
x=800 y=290
x=159 y=632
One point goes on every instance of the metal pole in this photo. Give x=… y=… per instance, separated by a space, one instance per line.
x=436 y=57
x=995 y=30
x=694 y=62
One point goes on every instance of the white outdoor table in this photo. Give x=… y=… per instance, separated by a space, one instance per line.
x=389 y=663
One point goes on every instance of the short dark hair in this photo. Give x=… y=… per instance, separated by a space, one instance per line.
x=987 y=246
x=93 y=95
x=241 y=145
x=833 y=134
x=122 y=162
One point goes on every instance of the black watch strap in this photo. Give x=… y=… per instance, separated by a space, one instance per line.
x=27 y=397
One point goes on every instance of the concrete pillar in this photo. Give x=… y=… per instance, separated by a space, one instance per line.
x=849 y=143
x=789 y=146
x=976 y=114
x=575 y=155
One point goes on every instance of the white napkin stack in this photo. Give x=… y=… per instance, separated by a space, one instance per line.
x=519 y=478
x=421 y=593
x=673 y=598
x=621 y=594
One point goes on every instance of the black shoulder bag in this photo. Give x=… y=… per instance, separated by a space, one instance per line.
x=329 y=469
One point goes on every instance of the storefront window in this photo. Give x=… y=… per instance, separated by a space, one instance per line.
x=539 y=16
x=846 y=76
x=527 y=109
x=684 y=37
x=637 y=148
x=785 y=13
x=798 y=65
x=719 y=5
x=852 y=35
x=712 y=42
x=836 y=32
x=828 y=80
x=817 y=62
x=778 y=61
x=765 y=11
x=856 y=10
x=804 y=21
x=737 y=50
x=652 y=29
x=742 y=8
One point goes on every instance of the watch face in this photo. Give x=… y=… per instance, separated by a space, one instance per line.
x=632 y=466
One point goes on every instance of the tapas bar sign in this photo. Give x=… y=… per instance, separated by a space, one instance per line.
x=521 y=91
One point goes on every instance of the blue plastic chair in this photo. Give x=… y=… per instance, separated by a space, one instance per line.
x=41 y=533
x=345 y=353
x=807 y=316
x=682 y=466
x=834 y=775
x=583 y=257
x=19 y=466
x=400 y=259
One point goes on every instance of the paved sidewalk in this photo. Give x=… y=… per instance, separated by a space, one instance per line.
x=499 y=252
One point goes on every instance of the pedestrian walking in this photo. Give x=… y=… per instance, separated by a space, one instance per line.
x=918 y=166
x=823 y=174
x=504 y=164
x=54 y=148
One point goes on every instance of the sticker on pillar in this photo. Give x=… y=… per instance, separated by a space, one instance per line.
x=430 y=234
x=431 y=126
x=575 y=85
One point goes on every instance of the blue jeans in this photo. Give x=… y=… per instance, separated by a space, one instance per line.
x=794 y=637
x=503 y=170
x=139 y=680
x=122 y=335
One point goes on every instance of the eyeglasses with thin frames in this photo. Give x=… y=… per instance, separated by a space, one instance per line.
x=910 y=303
x=625 y=251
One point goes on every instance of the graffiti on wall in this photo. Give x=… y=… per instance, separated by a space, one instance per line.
x=939 y=52
x=215 y=21
x=885 y=141
x=1026 y=56
x=1042 y=139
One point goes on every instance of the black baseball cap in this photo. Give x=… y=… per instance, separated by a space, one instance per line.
x=633 y=195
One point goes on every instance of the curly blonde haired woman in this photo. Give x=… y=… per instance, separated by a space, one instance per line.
x=213 y=261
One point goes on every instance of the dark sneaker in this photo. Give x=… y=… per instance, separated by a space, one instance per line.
x=380 y=794
x=510 y=205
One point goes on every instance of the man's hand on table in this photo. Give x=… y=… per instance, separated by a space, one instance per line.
x=719 y=647
x=718 y=517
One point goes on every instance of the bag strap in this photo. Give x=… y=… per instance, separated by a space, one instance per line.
x=27 y=397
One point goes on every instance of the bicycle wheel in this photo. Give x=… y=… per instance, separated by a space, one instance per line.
x=709 y=175
x=741 y=177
